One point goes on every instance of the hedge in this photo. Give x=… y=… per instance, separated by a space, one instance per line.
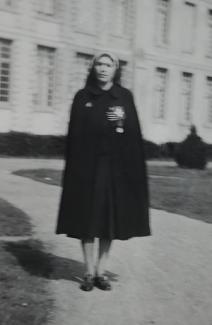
x=191 y=153
x=31 y=145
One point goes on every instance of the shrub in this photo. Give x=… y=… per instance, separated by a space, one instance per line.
x=191 y=153
x=152 y=150
x=209 y=151
x=31 y=145
x=168 y=149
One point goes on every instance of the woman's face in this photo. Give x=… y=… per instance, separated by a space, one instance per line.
x=105 y=69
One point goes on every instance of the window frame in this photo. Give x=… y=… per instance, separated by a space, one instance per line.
x=44 y=14
x=157 y=89
x=166 y=40
x=208 y=97
x=125 y=29
x=194 y=23
x=8 y=42
x=183 y=119
x=37 y=97
x=209 y=34
x=80 y=55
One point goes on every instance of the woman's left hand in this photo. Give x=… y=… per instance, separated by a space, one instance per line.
x=116 y=114
x=111 y=116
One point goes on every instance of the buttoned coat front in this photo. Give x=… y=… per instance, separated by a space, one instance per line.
x=88 y=127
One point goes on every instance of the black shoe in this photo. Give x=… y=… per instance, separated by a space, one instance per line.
x=102 y=282
x=88 y=283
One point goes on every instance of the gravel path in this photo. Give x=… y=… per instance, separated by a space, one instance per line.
x=164 y=279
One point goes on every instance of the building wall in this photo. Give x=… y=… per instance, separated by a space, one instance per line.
x=176 y=58
x=76 y=30
x=75 y=35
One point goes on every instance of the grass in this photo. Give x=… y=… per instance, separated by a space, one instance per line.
x=182 y=191
x=24 y=298
x=13 y=221
x=48 y=176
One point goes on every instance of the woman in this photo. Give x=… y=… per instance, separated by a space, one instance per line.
x=105 y=192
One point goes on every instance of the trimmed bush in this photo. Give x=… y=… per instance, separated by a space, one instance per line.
x=152 y=150
x=191 y=153
x=30 y=145
x=168 y=150
x=209 y=151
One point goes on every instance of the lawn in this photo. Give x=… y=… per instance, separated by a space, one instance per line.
x=183 y=191
x=24 y=297
x=13 y=221
x=48 y=176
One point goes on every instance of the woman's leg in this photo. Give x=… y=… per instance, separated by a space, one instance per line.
x=88 y=253
x=101 y=280
x=104 y=248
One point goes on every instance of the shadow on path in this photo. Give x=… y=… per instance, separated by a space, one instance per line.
x=32 y=257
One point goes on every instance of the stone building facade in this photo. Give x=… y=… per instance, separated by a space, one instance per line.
x=164 y=46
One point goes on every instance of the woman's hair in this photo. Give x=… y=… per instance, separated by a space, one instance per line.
x=91 y=78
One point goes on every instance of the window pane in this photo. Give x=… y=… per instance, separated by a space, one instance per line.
x=3 y=92
x=186 y=96
x=119 y=17
x=83 y=62
x=160 y=92
x=4 y=79
x=3 y=85
x=3 y=99
x=162 y=21
x=189 y=26
x=209 y=99
x=45 y=76
x=5 y=48
x=86 y=18
x=124 y=73
x=209 y=49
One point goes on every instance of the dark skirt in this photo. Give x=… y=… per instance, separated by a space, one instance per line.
x=103 y=213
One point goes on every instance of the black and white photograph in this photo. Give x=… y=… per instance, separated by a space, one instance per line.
x=105 y=162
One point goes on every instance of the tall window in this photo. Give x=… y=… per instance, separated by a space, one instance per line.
x=160 y=92
x=45 y=77
x=46 y=7
x=209 y=50
x=162 y=21
x=209 y=99
x=189 y=26
x=119 y=17
x=83 y=61
x=5 y=53
x=187 y=80
x=124 y=73
x=86 y=17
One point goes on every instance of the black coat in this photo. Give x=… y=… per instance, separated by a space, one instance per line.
x=88 y=129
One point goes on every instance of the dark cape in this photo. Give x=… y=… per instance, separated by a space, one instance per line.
x=89 y=134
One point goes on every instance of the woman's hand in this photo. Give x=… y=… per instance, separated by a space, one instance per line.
x=111 y=116
x=116 y=114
